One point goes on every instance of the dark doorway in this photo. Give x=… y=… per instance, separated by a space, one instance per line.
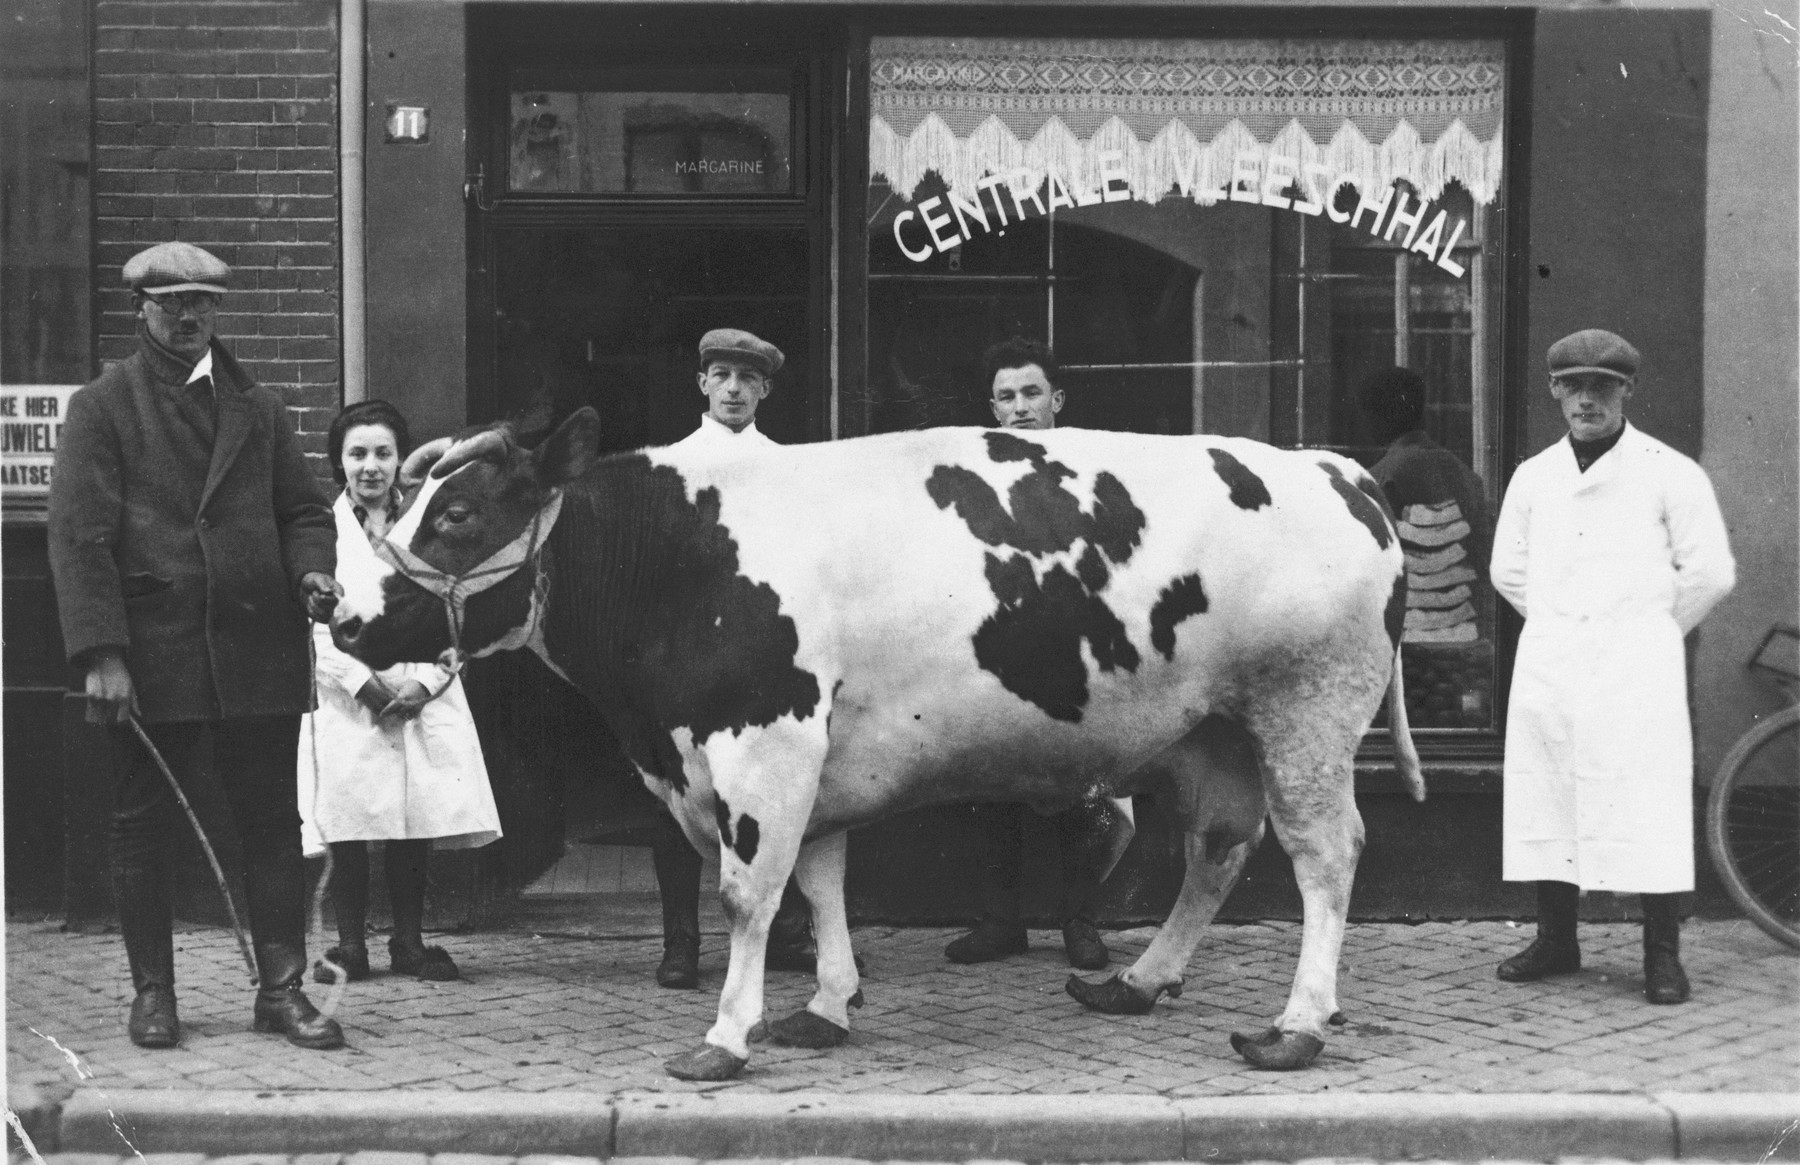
x=610 y=318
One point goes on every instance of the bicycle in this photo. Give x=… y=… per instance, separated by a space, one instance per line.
x=1753 y=811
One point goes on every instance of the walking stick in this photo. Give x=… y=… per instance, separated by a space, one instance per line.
x=212 y=858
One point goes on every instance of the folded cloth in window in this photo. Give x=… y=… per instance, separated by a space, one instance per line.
x=1438 y=620
x=1440 y=514
x=1429 y=536
x=1438 y=560
x=1437 y=600
x=1461 y=633
x=1441 y=580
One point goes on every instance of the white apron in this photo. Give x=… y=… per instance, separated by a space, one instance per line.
x=409 y=779
x=1610 y=568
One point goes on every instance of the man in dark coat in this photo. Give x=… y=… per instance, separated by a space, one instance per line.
x=189 y=543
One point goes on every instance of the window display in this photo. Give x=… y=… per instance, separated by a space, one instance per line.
x=653 y=132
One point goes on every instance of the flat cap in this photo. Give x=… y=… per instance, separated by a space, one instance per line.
x=176 y=267
x=1593 y=350
x=737 y=344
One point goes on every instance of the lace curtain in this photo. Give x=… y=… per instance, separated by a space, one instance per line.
x=1182 y=113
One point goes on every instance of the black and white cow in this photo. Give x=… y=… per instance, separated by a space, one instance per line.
x=803 y=639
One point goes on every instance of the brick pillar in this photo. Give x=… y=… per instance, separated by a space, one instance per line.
x=215 y=122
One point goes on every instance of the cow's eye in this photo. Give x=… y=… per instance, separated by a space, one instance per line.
x=457 y=515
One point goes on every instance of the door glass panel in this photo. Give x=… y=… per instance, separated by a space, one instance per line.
x=653 y=132
x=612 y=318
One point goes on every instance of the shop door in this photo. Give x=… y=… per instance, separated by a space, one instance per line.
x=609 y=317
x=636 y=185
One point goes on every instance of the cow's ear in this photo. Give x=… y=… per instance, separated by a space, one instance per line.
x=570 y=451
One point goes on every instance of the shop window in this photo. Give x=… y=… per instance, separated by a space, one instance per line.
x=1241 y=238
x=663 y=131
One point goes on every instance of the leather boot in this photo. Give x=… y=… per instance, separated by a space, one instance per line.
x=1664 y=980
x=282 y=1007
x=140 y=891
x=678 y=870
x=1554 y=951
x=275 y=892
x=790 y=946
x=1081 y=838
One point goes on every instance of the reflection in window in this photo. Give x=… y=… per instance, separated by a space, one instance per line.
x=1235 y=319
x=632 y=142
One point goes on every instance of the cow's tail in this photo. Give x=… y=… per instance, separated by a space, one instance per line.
x=1406 y=757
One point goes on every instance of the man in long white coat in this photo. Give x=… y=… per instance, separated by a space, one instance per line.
x=737 y=371
x=1612 y=547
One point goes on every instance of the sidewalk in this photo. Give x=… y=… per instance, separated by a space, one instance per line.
x=561 y=1030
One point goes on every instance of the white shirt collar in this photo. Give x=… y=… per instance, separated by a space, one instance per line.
x=202 y=367
x=724 y=429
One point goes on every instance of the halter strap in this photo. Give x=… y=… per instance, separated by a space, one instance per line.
x=455 y=589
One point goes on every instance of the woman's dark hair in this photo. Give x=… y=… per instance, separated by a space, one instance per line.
x=1017 y=353
x=368 y=412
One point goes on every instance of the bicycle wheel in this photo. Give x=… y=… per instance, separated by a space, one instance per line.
x=1753 y=824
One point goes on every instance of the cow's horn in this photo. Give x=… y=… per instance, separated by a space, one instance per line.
x=485 y=442
x=420 y=459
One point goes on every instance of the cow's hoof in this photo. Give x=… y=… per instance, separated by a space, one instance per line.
x=803 y=1029
x=1276 y=1050
x=1115 y=996
x=709 y=1063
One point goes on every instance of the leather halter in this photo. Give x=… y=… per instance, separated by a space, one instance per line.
x=454 y=590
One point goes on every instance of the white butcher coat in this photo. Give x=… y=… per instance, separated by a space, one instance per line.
x=1611 y=568
x=409 y=779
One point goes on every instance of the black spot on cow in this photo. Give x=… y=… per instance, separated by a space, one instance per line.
x=1395 y=615
x=748 y=834
x=741 y=841
x=1033 y=641
x=1247 y=490
x=1180 y=599
x=651 y=619
x=1365 y=501
x=1091 y=569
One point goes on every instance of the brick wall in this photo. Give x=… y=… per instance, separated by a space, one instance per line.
x=215 y=121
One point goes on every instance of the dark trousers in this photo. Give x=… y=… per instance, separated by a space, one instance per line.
x=253 y=758
x=1000 y=827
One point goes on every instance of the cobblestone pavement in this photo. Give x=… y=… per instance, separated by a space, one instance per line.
x=540 y=1012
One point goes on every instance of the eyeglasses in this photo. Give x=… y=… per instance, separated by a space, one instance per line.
x=201 y=303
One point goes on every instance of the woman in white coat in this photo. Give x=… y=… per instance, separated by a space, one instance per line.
x=389 y=756
x=1612 y=547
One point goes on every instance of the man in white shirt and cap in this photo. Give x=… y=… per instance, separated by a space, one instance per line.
x=1612 y=547
x=737 y=371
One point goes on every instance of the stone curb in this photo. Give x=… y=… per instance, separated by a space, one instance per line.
x=1440 y=1126
x=506 y=1124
